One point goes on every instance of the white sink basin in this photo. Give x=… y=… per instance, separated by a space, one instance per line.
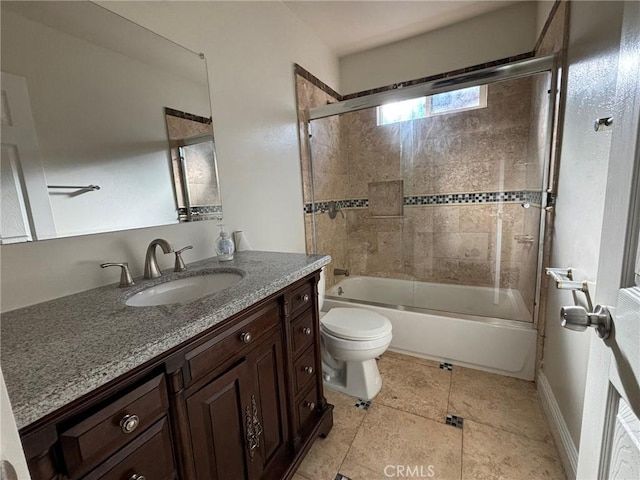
x=184 y=289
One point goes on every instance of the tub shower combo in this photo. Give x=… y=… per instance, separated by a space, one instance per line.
x=431 y=199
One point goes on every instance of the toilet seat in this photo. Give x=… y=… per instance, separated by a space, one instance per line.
x=355 y=324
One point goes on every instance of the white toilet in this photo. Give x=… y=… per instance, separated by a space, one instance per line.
x=352 y=338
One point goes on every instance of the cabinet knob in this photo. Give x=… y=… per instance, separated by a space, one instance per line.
x=306 y=330
x=309 y=370
x=129 y=423
x=305 y=297
x=135 y=476
x=246 y=337
x=310 y=405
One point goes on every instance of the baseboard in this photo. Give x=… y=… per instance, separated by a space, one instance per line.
x=566 y=447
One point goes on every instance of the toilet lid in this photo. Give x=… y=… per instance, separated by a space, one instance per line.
x=355 y=324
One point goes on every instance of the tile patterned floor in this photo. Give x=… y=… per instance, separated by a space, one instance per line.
x=404 y=435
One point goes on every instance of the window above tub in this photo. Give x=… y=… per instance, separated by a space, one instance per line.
x=439 y=104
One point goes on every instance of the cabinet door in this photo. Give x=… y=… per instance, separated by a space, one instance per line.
x=268 y=395
x=217 y=419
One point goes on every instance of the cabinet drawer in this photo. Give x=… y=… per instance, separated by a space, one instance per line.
x=148 y=456
x=302 y=332
x=95 y=438
x=209 y=355
x=301 y=298
x=306 y=407
x=305 y=369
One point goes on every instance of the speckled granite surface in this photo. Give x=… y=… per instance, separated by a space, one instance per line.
x=54 y=352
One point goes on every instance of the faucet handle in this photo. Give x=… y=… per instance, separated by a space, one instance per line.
x=180 y=266
x=126 y=280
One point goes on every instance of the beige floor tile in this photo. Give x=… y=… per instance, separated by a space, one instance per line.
x=414 y=388
x=390 y=437
x=501 y=402
x=352 y=468
x=325 y=457
x=297 y=476
x=492 y=454
x=346 y=417
x=411 y=358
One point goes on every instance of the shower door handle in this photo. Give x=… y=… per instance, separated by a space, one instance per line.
x=578 y=319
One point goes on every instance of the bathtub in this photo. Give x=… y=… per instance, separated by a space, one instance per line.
x=462 y=325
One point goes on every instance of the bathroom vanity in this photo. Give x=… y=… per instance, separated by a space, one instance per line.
x=224 y=387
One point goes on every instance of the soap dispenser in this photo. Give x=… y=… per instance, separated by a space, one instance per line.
x=224 y=246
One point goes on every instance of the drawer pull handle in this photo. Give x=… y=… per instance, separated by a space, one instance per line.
x=310 y=405
x=309 y=370
x=135 y=476
x=305 y=297
x=129 y=423
x=246 y=337
x=306 y=330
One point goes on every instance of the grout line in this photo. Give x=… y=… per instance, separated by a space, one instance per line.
x=343 y=460
x=414 y=360
x=462 y=454
x=412 y=413
x=302 y=476
x=450 y=388
x=366 y=412
x=508 y=431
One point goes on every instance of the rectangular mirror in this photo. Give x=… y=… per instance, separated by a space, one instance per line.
x=106 y=125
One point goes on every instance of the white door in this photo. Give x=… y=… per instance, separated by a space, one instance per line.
x=26 y=210
x=610 y=438
x=13 y=465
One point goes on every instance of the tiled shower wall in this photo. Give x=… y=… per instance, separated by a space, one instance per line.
x=329 y=176
x=484 y=150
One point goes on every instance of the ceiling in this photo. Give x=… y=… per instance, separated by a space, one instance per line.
x=352 y=26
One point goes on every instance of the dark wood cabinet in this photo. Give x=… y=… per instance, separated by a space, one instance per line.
x=217 y=426
x=241 y=401
x=237 y=421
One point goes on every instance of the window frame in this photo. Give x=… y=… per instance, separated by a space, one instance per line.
x=482 y=103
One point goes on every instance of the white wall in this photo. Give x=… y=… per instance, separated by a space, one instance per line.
x=498 y=34
x=250 y=49
x=580 y=204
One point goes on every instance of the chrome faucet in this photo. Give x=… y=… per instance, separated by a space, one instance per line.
x=151 y=269
x=340 y=271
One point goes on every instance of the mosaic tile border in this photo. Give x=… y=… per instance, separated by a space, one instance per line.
x=533 y=197
x=188 y=116
x=321 y=207
x=454 y=421
x=310 y=77
x=298 y=70
x=547 y=24
x=204 y=212
x=487 y=197
x=340 y=476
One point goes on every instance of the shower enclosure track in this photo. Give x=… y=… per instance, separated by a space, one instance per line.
x=511 y=71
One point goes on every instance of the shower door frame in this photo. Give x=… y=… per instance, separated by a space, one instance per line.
x=550 y=64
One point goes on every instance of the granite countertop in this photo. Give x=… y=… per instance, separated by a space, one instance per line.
x=54 y=352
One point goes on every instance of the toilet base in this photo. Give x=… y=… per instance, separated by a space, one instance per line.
x=359 y=379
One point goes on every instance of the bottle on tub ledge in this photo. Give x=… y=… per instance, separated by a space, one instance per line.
x=224 y=246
